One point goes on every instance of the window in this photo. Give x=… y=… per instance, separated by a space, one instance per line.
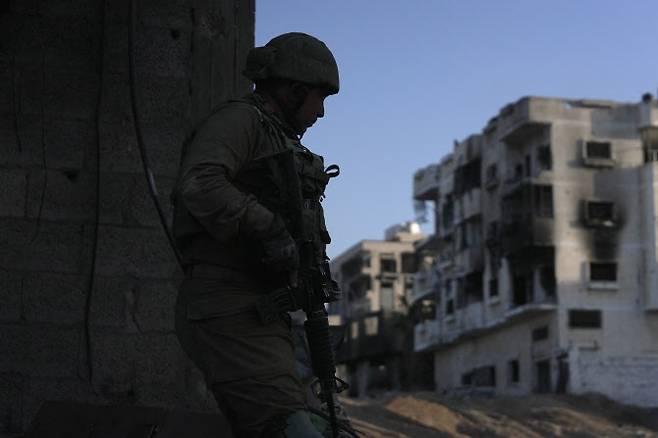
x=409 y=263
x=544 y=201
x=491 y=176
x=544 y=159
x=599 y=213
x=467 y=177
x=598 y=149
x=513 y=371
x=539 y=334
x=493 y=287
x=485 y=376
x=528 y=168
x=467 y=379
x=547 y=280
x=603 y=271
x=585 y=319
x=649 y=136
x=598 y=154
x=473 y=287
x=450 y=306
x=460 y=293
x=388 y=264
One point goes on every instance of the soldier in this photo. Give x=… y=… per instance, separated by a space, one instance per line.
x=232 y=226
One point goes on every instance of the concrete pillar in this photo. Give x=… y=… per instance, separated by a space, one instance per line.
x=65 y=111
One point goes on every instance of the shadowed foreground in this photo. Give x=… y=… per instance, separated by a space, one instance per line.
x=426 y=414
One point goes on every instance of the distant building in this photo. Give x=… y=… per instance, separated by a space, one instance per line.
x=375 y=276
x=546 y=252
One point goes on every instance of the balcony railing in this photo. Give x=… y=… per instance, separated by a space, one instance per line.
x=426 y=335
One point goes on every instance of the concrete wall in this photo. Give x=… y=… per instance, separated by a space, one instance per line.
x=497 y=348
x=64 y=110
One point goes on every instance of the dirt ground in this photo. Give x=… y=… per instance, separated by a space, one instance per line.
x=427 y=414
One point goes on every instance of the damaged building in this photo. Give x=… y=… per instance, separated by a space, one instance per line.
x=545 y=252
x=375 y=277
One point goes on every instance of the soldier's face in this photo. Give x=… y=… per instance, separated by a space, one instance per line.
x=311 y=109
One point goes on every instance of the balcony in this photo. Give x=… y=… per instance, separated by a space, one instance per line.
x=426 y=335
x=526 y=232
x=524 y=119
x=531 y=309
x=426 y=283
x=471 y=203
x=426 y=183
x=466 y=322
x=472 y=317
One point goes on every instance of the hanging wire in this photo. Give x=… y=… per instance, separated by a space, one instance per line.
x=150 y=180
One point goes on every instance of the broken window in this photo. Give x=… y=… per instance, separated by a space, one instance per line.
x=585 y=318
x=603 y=271
x=544 y=201
x=467 y=177
x=598 y=149
x=473 y=287
x=388 y=264
x=544 y=158
x=513 y=371
x=409 y=262
x=450 y=306
x=523 y=290
x=547 y=279
x=539 y=334
x=460 y=293
x=493 y=287
x=447 y=213
x=491 y=176
x=528 y=168
x=599 y=212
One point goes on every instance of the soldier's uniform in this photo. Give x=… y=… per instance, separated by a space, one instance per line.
x=227 y=196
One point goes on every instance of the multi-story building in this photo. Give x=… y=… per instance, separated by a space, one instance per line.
x=546 y=231
x=375 y=277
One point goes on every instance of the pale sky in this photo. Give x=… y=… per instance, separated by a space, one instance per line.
x=418 y=74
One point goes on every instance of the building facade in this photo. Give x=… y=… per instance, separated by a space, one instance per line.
x=546 y=252
x=375 y=277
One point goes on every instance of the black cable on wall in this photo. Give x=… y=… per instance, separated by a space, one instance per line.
x=140 y=137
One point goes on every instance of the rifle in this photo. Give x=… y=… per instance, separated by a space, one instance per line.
x=308 y=289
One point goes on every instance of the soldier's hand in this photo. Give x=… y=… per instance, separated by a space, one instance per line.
x=279 y=248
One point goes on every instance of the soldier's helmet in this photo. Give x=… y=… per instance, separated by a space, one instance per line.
x=296 y=56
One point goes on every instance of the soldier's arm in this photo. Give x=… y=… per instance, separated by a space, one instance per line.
x=221 y=147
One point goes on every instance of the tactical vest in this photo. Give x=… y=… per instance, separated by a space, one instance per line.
x=291 y=183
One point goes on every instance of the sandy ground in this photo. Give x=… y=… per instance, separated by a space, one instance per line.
x=427 y=414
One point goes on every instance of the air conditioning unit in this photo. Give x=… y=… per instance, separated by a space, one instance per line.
x=597 y=153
